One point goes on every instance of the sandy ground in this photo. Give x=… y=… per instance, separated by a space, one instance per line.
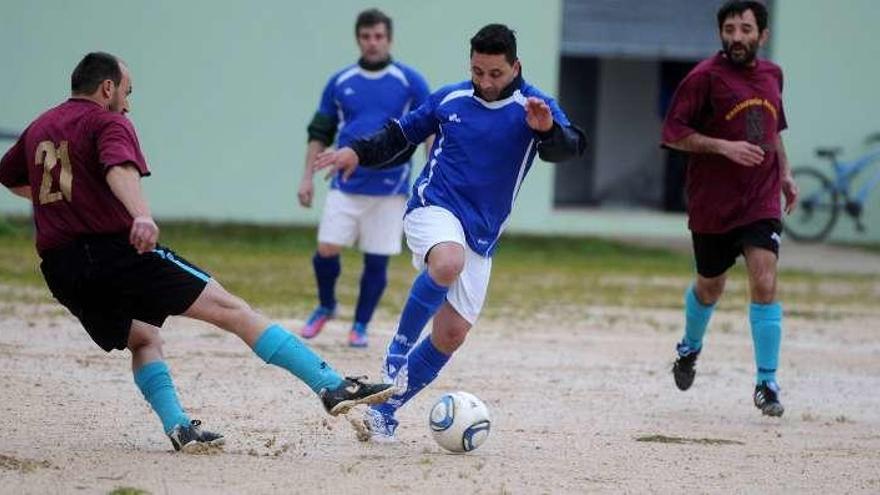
x=582 y=401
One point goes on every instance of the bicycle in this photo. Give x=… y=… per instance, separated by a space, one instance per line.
x=822 y=198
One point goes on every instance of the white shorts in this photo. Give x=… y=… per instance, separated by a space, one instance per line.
x=428 y=226
x=375 y=222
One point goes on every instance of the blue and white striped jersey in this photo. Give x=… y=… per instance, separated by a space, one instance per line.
x=481 y=154
x=360 y=102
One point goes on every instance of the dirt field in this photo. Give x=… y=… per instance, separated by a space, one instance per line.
x=581 y=396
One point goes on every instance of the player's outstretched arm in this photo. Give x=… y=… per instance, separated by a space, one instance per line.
x=342 y=160
x=125 y=182
x=556 y=143
x=379 y=150
x=383 y=148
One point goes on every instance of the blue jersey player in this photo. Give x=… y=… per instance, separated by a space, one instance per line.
x=368 y=208
x=489 y=130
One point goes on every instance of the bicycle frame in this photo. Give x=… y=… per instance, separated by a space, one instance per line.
x=845 y=172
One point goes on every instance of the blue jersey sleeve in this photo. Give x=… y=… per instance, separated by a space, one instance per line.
x=328 y=106
x=323 y=126
x=420 y=123
x=419 y=88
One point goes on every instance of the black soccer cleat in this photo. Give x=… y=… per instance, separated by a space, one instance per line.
x=683 y=370
x=353 y=391
x=767 y=399
x=192 y=439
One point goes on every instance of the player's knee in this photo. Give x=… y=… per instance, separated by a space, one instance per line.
x=764 y=290
x=445 y=273
x=328 y=250
x=445 y=267
x=142 y=337
x=709 y=291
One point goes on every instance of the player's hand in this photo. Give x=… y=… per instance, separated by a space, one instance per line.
x=790 y=192
x=144 y=234
x=744 y=153
x=538 y=115
x=343 y=160
x=306 y=192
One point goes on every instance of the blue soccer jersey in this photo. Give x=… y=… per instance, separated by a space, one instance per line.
x=360 y=102
x=482 y=153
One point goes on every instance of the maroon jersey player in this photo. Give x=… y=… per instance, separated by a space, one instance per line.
x=80 y=164
x=728 y=113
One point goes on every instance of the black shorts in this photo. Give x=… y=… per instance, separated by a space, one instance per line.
x=106 y=284
x=715 y=253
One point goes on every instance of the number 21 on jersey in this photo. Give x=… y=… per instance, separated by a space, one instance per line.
x=48 y=157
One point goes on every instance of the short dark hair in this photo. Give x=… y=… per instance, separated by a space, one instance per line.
x=92 y=70
x=371 y=17
x=739 y=7
x=495 y=39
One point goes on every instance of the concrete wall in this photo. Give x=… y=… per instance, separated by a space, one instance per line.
x=829 y=52
x=223 y=90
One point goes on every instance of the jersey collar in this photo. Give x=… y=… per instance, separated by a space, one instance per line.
x=507 y=92
x=374 y=66
x=511 y=91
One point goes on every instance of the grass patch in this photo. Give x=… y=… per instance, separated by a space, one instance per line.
x=871 y=248
x=270 y=266
x=6 y=228
x=10 y=463
x=127 y=490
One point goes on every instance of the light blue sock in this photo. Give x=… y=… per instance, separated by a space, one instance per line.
x=423 y=366
x=154 y=381
x=766 y=320
x=697 y=317
x=425 y=298
x=279 y=347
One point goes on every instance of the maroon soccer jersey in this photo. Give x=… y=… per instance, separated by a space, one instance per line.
x=722 y=100
x=64 y=156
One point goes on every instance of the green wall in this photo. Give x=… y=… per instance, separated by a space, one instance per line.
x=223 y=90
x=830 y=54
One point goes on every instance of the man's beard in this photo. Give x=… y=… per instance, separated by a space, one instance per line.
x=746 y=57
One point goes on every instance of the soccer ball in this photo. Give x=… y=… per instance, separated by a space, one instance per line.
x=459 y=422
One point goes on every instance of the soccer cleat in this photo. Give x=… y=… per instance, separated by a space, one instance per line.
x=767 y=399
x=353 y=391
x=374 y=426
x=683 y=370
x=192 y=439
x=320 y=316
x=394 y=371
x=357 y=336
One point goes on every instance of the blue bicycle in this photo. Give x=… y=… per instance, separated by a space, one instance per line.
x=822 y=198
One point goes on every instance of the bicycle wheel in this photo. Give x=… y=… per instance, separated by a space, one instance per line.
x=816 y=209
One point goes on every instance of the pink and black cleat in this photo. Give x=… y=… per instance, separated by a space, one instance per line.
x=314 y=325
x=357 y=337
